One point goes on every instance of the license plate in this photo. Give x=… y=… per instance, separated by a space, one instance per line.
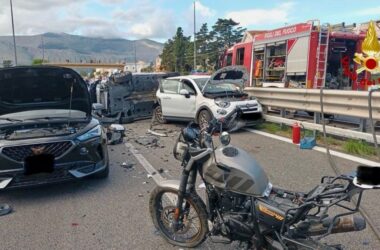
x=39 y=164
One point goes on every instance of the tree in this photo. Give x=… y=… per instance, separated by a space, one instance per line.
x=7 y=63
x=38 y=61
x=176 y=53
x=225 y=33
x=203 y=39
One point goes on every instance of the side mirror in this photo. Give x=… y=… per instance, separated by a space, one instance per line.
x=185 y=93
x=97 y=107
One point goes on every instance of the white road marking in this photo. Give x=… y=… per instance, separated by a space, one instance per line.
x=157 y=177
x=319 y=149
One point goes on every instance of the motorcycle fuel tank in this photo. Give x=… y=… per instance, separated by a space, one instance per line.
x=233 y=169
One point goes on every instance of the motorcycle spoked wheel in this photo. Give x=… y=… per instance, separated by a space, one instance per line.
x=193 y=226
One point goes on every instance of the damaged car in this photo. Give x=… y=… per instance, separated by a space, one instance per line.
x=202 y=98
x=125 y=97
x=47 y=131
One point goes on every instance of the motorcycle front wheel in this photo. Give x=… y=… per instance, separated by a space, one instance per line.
x=193 y=227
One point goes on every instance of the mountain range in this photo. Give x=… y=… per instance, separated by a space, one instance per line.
x=59 y=47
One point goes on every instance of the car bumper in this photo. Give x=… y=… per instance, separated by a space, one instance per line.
x=61 y=173
x=244 y=120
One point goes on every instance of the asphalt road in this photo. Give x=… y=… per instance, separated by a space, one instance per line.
x=113 y=213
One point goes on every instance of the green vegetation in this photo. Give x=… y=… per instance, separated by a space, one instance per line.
x=38 y=61
x=358 y=148
x=7 y=63
x=178 y=52
x=355 y=147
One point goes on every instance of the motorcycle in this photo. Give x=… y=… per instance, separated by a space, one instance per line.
x=240 y=203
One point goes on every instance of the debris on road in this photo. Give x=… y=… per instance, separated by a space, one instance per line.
x=127 y=165
x=147 y=140
x=156 y=133
x=5 y=209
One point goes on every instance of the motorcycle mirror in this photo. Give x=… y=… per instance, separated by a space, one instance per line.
x=225 y=138
x=367 y=177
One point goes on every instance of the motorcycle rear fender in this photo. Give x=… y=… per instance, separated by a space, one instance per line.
x=172 y=184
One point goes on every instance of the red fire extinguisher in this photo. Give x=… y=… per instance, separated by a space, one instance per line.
x=296 y=129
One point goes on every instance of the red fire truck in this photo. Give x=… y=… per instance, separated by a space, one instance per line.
x=307 y=55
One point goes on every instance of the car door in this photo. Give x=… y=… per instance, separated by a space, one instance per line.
x=188 y=103
x=169 y=93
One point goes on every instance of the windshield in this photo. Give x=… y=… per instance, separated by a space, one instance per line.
x=221 y=88
x=201 y=82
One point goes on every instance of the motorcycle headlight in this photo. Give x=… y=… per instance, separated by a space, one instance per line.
x=95 y=132
x=222 y=104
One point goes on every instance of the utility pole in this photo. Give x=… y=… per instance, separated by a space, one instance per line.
x=43 y=48
x=195 y=46
x=135 y=56
x=13 y=30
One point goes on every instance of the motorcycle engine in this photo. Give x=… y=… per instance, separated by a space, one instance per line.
x=236 y=213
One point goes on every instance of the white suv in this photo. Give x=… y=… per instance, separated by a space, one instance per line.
x=202 y=97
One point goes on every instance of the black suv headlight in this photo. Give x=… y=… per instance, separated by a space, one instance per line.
x=94 y=132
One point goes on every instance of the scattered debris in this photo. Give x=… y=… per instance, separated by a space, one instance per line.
x=115 y=134
x=147 y=140
x=5 y=209
x=156 y=133
x=366 y=242
x=128 y=165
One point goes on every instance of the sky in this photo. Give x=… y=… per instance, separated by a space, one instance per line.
x=158 y=19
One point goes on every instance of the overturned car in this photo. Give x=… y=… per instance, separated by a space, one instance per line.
x=47 y=132
x=125 y=97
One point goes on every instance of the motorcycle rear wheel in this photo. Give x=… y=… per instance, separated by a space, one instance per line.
x=162 y=205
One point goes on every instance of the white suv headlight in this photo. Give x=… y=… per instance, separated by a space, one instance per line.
x=222 y=104
x=94 y=132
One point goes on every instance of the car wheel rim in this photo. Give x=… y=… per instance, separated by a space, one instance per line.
x=203 y=121
x=158 y=115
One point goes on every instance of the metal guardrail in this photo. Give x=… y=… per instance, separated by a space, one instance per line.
x=341 y=132
x=339 y=102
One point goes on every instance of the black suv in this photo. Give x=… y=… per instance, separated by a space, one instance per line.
x=47 y=132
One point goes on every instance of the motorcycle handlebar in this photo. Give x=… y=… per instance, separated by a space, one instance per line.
x=216 y=123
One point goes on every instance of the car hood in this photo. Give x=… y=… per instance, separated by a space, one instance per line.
x=40 y=88
x=237 y=75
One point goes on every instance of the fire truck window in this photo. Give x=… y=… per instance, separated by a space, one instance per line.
x=240 y=56
x=229 y=59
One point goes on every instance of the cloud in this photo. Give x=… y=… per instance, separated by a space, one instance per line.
x=203 y=11
x=146 y=21
x=73 y=16
x=276 y=15
x=368 y=11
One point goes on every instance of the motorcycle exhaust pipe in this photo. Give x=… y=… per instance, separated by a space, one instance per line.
x=342 y=225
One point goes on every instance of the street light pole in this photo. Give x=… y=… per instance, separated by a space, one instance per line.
x=195 y=46
x=13 y=30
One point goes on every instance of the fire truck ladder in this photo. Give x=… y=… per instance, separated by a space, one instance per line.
x=322 y=55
